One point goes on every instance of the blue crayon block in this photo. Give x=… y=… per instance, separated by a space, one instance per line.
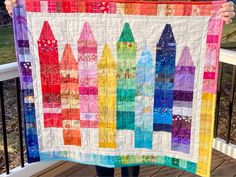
x=165 y=69
x=162 y=118
x=162 y=127
x=163 y=99
x=164 y=86
x=143 y=139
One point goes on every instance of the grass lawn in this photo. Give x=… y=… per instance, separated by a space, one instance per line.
x=7 y=49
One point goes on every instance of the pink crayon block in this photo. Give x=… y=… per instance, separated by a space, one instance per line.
x=88 y=104
x=209 y=75
x=88 y=91
x=88 y=87
x=209 y=86
x=89 y=124
x=212 y=38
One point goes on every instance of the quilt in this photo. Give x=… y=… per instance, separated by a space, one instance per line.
x=119 y=82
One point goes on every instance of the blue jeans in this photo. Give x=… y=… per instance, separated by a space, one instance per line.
x=126 y=171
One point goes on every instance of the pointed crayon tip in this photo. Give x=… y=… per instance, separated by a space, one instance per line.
x=167 y=36
x=146 y=57
x=46 y=32
x=86 y=34
x=68 y=56
x=67 y=50
x=185 y=58
x=107 y=58
x=67 y=47
x=145 y=47
x=168 y=27
x=145 y=51
x=106 y=47
x=126 y=35
x=107 y=51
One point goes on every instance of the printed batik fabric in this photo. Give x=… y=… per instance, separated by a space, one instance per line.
x=119 y=83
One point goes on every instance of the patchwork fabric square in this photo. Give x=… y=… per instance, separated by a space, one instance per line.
x=119 y=83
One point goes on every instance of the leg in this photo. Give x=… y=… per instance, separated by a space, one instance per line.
x=104 y=172
x=130 y=171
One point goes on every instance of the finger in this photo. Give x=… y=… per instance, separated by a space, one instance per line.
x=227 y=20
x=227 y=9
x=8 y=8
x=5 y=2
x=8 y=3
x=228 y=4
x=228 y=14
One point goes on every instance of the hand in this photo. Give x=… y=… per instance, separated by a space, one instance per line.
x=9 y=6
x=227 y=12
